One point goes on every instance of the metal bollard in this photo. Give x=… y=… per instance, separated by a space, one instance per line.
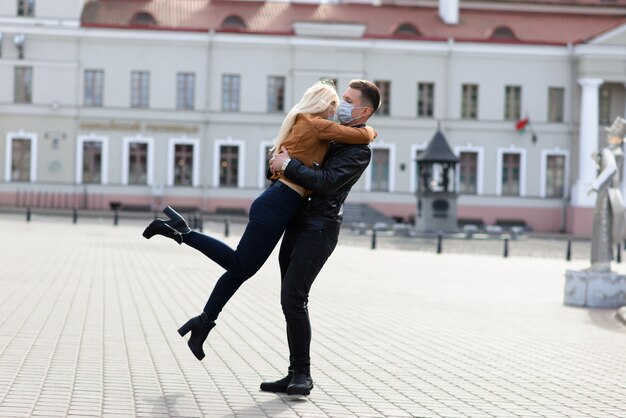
x=200 y=223
x=116 y=217
x=74 y=215
x=226 y=227
x=619 y=253
x=373 y=238
x=506 y=247
x=568 y=253
x=439 y=242
x=28 y=214
x=195 y=221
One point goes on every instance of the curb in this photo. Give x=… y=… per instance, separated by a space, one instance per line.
x=621 y=315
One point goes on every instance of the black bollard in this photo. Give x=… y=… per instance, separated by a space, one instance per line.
x=195 y=221
x=619 y=253
x=439 y=242
x=200 y=223
x=568 y=253
x=28 y=213
x=226 y=227
x=506 y=247
x=373 y=238
x=116 y=217
x=74 y=215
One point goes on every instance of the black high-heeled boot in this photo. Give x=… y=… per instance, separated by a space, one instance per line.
x=278 y=385
x=200 y=326
x=175 y=228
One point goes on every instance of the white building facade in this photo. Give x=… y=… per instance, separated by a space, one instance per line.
x=142 y=115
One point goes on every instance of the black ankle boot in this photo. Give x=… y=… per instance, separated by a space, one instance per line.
x=301 y=382
x=278 y=385
x=199 y=327
x=175 y=228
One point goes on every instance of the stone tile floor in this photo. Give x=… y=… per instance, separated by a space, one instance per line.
x=89 y=313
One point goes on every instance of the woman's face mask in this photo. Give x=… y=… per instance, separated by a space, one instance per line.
x=344 y=112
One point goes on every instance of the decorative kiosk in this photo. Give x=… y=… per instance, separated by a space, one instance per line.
x=436 y=191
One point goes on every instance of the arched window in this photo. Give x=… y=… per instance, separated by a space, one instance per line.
x=233 y=22
x=406 y=29
x=503 y=32
x=143 y=19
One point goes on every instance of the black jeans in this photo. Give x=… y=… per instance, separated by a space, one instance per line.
x=270 y=213
x=302 y=255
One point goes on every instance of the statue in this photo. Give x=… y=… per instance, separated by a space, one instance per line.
x=598 y=286
x=608 y=215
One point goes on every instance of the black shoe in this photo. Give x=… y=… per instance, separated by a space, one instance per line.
x=278 y=385
x=301 y=383
x=199 y=327
x=175 y=228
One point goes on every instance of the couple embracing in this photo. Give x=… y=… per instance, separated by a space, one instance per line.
x=315 y=162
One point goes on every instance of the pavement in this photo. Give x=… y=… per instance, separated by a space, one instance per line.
x=89 y=313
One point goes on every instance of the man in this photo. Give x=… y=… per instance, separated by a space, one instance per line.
x=312 y=236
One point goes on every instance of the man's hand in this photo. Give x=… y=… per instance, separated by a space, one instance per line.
x=276 y=162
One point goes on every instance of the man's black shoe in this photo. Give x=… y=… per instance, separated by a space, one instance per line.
x=301 y=383
x=278 y=385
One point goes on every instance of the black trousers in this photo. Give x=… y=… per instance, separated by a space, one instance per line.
x=270 y=215
x=302 y=255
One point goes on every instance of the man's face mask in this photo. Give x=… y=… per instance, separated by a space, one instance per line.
x=344 y=112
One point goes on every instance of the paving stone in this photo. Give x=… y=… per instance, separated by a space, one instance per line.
x=88 y=327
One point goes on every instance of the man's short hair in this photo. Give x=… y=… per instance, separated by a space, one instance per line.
x=370 y=95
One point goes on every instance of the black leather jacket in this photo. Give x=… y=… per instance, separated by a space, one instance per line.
x=341 y=169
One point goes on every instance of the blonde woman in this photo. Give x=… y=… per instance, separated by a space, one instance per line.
x=305 y=132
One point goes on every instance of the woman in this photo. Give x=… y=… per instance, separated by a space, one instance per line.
x=305 y=132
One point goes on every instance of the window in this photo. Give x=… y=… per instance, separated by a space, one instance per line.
x=143 y=19
x=183 y=165
x=185 y=88
x=138 y=163
x=380 y=170
x=229 y=163
x=468 y=169
x=26 y=8
x=266 y=164
x=556 y=98
x=92 y=162
x=555 y=176
x=230 y=92
x=425 y=99
x=510 y=174
x=384 y=87
x=140 y=86
x=20 y=159
x=512 y=102
x=469 y=101
x=407 y=29
x=233 y=22
x=418 y=170
x=605 y=106
x=94 y=83
x=275 y=94
x=503 y=32
x=23 y=84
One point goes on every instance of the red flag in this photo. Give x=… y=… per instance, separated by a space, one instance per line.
x=521 y=124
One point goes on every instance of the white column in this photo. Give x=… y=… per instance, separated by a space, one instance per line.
x=623 y=183
x=588 y=141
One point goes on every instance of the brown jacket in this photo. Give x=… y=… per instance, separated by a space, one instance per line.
x=310 y=135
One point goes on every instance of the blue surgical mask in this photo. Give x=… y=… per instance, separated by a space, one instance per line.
x=344 y=113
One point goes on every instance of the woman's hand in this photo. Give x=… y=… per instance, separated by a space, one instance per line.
x=276 y=162
x=372 y=132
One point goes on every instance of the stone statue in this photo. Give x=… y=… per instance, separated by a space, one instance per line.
x=608 y=215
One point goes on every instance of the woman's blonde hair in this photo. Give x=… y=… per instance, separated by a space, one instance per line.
x=315 y=100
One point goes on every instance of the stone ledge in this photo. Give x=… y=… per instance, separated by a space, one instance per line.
x=595 y=289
